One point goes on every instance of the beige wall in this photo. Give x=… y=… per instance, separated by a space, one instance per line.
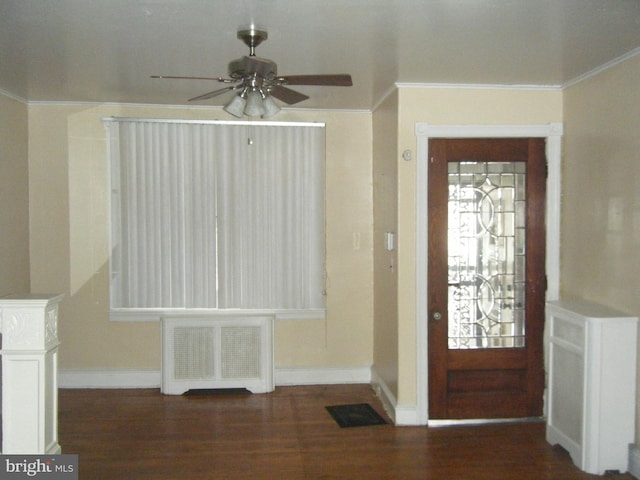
x=446 y=106
x=365 y=174
x=70 y=240
x=601 y=190
x=385 y=213
x=14 y=197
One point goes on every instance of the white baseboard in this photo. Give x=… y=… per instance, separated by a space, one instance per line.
x=634 y=460
x=322 y=376
x=109 y=378
x=385 y=395
x=152 y=378
x=399 y=414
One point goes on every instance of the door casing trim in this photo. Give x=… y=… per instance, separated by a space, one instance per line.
x=552 y=132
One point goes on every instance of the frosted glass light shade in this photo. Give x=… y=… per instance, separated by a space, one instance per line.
x=254 y=106
x=236 y=106
x=270 y=107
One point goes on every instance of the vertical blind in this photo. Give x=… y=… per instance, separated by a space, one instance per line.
x=216 y=215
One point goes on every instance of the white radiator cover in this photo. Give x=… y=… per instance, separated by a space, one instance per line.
x=217 y=352
x=592 y=384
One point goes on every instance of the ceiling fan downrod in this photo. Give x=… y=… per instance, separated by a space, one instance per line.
x=252 y=37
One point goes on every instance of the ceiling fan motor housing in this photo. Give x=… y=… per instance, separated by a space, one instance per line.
x=248 y=66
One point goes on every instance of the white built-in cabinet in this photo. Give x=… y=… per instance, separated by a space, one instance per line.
x=592 y=383
x=29 y=327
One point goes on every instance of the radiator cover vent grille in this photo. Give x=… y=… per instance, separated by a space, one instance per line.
x=241 y=356
x=193 y=353
x=217 y=352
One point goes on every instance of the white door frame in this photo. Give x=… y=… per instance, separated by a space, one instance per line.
x=552 y=132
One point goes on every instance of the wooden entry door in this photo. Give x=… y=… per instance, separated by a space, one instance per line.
x=486 y=277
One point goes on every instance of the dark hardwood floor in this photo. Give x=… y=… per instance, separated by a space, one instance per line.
x=288 y=434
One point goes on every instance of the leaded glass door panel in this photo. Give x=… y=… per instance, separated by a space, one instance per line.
x=486 y=247
x=486 y=277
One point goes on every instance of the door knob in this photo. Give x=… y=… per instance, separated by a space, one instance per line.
x=437 y=315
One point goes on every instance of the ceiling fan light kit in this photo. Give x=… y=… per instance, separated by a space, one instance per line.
x=255 y=81
x=254 y=106
x=271 y=108
x=236 y=106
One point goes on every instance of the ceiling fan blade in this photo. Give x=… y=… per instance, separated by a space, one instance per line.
x=217 y=79
x=286 y=94
x=340 y=80
x=212 y=94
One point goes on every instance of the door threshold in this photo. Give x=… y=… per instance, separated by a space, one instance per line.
x=481 y=421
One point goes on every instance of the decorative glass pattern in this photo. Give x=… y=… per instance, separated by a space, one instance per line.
x=486 y=248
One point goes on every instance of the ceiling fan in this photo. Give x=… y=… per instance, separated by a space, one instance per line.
x=256 y=79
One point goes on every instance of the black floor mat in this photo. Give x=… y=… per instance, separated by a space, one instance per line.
x=357 y=415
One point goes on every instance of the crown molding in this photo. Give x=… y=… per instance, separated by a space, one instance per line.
x=477 y=86
x=55 y=103
x=605 y=66
x=10 y=95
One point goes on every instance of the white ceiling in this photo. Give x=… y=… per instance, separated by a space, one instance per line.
x=105 y=50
